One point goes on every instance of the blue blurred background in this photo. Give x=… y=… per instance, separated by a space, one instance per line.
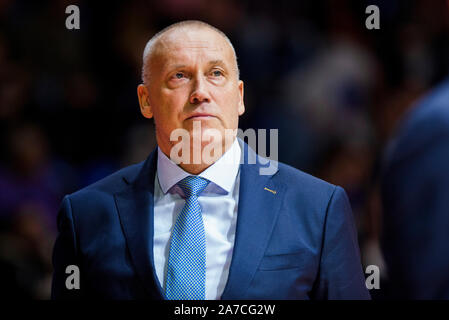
x=69 y=113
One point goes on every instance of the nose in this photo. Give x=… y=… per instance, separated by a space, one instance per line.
x=199 y=93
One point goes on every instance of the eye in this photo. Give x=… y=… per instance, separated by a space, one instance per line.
x=179 y=75
x=217 y=73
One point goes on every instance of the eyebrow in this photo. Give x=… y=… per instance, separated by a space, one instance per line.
x=177 y=66
x=219 y=62
x=212 y=62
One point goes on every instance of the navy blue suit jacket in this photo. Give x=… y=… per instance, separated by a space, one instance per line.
x=415 y=192
x=298 y=242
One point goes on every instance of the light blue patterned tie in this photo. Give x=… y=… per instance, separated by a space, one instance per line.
x=186 y=267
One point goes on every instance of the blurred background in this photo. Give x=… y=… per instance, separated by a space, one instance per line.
x=69 y=112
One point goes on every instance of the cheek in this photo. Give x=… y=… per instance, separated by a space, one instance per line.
x=229 y=103
x=172 y=104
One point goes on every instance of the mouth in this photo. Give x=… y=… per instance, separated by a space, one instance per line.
x=200 y=116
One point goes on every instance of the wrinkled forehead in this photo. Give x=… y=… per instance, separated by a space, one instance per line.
x=178 y=43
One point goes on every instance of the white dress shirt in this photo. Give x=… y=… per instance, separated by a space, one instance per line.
x=219 y=202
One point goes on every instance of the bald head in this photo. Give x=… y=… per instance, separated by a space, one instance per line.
x=158 y=44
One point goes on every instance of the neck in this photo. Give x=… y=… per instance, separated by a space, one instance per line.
x=199 y=163
x=195 y=169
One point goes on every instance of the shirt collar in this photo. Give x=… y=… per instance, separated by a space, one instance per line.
x=222 y=173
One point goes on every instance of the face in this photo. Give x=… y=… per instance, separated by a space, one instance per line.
x=193 y=77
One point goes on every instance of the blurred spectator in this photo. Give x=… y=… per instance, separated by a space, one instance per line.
x=415 y=193
x=29 y=176
x=25 y=255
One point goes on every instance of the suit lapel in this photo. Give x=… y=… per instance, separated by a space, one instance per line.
x=258 y=209
x=136 y=209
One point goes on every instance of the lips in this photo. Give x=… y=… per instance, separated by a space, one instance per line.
x=200 y=116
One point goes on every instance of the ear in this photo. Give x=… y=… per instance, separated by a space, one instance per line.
x=144 y=101
x=241 y=108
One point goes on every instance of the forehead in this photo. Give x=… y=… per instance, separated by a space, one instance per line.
x=190 y=44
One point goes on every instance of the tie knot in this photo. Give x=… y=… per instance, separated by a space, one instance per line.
x=193 y=185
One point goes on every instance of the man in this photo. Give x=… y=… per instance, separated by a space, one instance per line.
x=205 y=229
x=415 y=194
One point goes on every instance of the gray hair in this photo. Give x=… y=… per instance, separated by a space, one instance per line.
x=178 y=25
